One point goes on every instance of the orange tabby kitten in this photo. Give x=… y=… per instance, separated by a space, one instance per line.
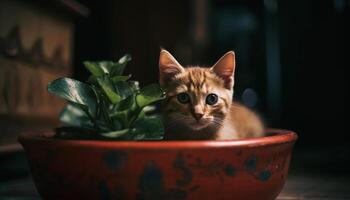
x=199 y=102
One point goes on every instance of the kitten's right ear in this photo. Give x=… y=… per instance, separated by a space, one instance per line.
x=225 y=68
x=168 y=67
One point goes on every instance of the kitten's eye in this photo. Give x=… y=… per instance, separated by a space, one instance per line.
x=183 y=98
x=212 y=99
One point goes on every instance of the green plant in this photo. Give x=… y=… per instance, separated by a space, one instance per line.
x=109 y=105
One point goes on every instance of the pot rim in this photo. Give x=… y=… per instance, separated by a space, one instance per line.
x=280 y=136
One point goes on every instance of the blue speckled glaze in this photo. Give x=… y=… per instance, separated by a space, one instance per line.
x=250 y=164
x=151 y=183
x=264 y=175
x=180 y=164
x=230 y=170
x=115 y=160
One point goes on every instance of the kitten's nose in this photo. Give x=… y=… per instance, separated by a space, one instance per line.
x=198 y=116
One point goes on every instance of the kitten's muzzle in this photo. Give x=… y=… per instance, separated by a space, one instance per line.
x=198 y=116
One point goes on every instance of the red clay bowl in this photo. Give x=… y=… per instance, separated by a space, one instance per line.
x=249 y=169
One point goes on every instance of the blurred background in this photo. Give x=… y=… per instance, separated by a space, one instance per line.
x=290 y=69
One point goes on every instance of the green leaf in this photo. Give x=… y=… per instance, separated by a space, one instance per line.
x=123 y=89
x=107 y=66
x=149 y=94
x=116 y=123
x=151 y=127
x=92 y=80
x=73 y=115
x=121 y=116
x=115 y=134
x=125 y=59
x=134 y=86
x=139 y=137
x=116 y=79
x=149 y=109
x=95 y=68
x=102 y=68
x=118 y=68
x=127 y=103
x=74 y=91
x=108 y=89
x=142 y=113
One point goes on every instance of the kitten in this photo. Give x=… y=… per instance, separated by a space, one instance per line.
x=199 y=102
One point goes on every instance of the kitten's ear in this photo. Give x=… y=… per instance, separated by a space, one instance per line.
x=168 y=67
x=225 y=68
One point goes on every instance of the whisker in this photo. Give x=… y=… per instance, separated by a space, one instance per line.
x=217 y=122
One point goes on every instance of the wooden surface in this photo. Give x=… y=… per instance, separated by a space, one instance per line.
x=316 y=187
x=296 y=188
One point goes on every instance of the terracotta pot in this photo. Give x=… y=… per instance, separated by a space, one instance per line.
x=249 y=169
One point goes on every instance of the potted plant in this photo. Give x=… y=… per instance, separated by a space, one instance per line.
x=108 y=106
x=106 y=152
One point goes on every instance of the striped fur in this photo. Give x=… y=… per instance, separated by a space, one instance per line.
x=221 y=121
